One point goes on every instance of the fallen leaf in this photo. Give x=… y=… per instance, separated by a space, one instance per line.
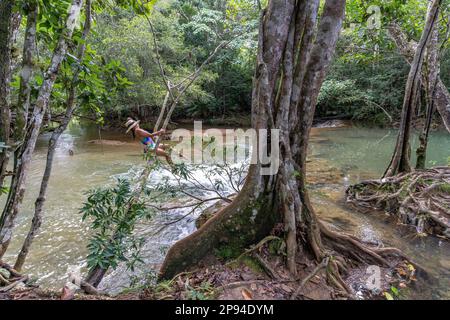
x=401 y=272
x=394 y=290
x=246 y=294
x=388 y=296
x=67 y=293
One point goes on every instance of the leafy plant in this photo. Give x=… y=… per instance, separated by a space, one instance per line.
x=3 y=190
x=113 y=216
x=203 y=292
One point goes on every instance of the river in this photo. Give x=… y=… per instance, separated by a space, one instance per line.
x=354 y=153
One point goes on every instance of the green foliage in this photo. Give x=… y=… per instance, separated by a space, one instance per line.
x=277 y=247
x=113 y=215
x=101 y=79
x=368 y=75
x=339 y=96
x=203 y=292
x=3 y=190
x=388 y=296
x=250 y=262
x=187 y=32
x=364 y=85
x=227 y=252
x=445 y=188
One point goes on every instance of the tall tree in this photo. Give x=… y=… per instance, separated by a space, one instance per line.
x=293 y=57
x=407 y=48
x=16 y=193
x=26 y=74
x=6 y=15
x=400 y=161
x=430 y=80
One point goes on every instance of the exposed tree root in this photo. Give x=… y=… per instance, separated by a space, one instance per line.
x=420 y=198
x=267 y=268
x=344 y=251
x=13 y=284
x=10 y=269
x=9 y=283
x=259 y=245
x=319 y=267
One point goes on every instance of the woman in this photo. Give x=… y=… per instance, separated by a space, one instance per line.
x=146 y=139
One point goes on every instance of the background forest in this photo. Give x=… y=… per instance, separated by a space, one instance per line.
x=366 y=67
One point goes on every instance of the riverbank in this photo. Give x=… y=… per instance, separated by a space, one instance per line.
x=244 y=121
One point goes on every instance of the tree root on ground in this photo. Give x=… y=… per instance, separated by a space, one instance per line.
x=341 y=251
x=420 y=198
x=9 y=283
x=319 y=267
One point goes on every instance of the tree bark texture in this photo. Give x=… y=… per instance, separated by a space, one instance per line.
x=6 y=14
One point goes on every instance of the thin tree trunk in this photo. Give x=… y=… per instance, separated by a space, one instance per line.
x=400 y=161
x=15 y=28
x=6 y=15
x=17 y=190
x=70 y=108
x=432 y=72
x=29 y=50
x=407 y=49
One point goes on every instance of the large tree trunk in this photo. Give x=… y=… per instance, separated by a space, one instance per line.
x=282 y=93
x=407 y=49
x=6 y=15
x=400 y=161
x=70 y=108
x=17 y=190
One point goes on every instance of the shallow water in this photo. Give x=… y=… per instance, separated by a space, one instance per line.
x=61 y=244
x=368 y=151
x=359 y=153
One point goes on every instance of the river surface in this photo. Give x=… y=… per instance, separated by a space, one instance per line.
x=356 y=153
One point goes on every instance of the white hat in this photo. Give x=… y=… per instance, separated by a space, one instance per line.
x=131 y=124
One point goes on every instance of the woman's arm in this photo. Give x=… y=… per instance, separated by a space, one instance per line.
x=144 y=133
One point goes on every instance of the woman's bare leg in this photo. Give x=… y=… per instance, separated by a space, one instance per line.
x=162 y=153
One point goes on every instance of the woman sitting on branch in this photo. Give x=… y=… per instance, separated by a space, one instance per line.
x=147 y=139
